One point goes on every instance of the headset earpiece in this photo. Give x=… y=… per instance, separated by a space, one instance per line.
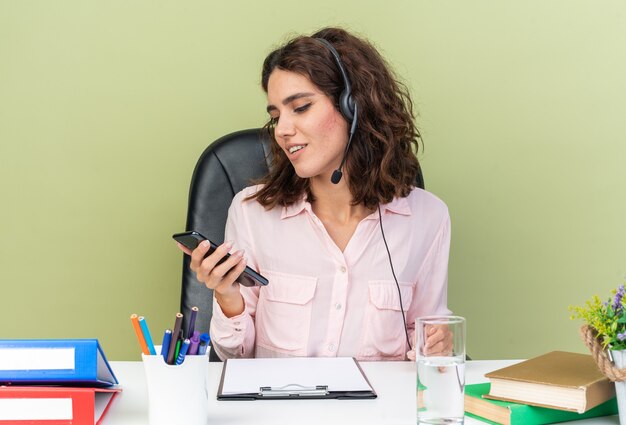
x=347 y=104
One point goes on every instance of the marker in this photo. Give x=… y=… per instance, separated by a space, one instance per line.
x=183 y=352
x=172 y=350
x=204 y=342
x=195 y=342
x=146 y=334
x=192 y=322
x=165 y=346
x=177 y=351
x=142 y=342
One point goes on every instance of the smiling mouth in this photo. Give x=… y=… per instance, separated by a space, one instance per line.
x=295 y=149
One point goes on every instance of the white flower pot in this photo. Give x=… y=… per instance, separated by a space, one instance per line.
x=619 y=357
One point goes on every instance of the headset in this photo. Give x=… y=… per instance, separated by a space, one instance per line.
x=348 y=108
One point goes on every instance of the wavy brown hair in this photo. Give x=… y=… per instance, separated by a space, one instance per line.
x=381 y=162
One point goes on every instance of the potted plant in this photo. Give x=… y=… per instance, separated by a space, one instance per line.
x=604 y=333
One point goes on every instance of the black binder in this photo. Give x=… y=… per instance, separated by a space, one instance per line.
x=334 y=370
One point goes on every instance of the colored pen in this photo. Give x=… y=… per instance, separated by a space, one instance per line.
x=165 y=346
x=183 y=352
x=177 y=352
x=192 y=322
x=195 y=342
x=146 y=335
x=204 y=342
x=172 y=350
x=142 y=342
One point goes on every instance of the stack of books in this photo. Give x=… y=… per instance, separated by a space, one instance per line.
x=61 y=381
x=555 y=387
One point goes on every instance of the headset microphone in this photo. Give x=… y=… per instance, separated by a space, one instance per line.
x=338 y=174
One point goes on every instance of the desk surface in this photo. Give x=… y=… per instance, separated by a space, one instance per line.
x=394 y=383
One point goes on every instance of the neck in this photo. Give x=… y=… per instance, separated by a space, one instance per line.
x=334 y=201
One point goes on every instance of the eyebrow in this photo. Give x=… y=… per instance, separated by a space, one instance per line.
x=290 y=99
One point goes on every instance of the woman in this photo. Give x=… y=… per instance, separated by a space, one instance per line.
x=353 y=261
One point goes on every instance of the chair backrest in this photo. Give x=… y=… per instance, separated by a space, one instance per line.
x=226 y=166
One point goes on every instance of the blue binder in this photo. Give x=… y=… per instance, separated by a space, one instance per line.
x=75 y=362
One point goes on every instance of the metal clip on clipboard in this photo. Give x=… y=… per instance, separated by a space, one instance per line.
x=294 y=390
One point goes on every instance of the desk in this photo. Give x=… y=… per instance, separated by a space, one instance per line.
x=393 y=381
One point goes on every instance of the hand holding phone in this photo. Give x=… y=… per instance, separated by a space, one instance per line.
x=192 y=239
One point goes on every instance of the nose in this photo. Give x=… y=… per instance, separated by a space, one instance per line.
x=284 y=127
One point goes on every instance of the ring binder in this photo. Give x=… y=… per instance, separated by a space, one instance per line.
x=293 y=390
x=79 y=362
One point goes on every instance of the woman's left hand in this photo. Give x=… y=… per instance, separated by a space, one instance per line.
x=438 y=342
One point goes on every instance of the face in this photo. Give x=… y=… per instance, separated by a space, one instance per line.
x=310 y=130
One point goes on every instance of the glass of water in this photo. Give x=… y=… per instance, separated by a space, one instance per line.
x=440 y=355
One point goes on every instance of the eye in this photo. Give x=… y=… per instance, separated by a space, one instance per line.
x=302 y=108
x=273 y=121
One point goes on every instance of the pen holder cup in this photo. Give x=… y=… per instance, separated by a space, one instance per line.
x=177 y=394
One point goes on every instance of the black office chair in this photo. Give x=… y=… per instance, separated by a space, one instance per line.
x=226 y=166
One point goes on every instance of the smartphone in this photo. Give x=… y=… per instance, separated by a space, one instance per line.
x=192 y=239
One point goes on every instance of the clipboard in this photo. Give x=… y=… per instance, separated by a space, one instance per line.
x=294 y=378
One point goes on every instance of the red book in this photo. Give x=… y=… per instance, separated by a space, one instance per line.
x=54 y=405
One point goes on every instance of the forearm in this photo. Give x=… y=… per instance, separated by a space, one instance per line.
x=234 y=336
x=231 y=304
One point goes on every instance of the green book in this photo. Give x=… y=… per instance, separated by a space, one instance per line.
x=507 y=413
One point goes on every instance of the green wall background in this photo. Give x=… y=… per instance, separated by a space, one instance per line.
x=105 y=107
